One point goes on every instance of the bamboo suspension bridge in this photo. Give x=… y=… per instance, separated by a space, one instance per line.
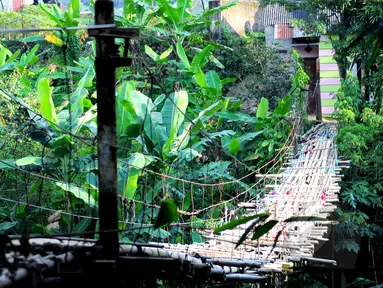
x=307 y=185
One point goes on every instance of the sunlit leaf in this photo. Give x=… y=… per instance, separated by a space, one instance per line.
x=182 y=55
x=173 y=116
x=137 y=161
x=150 y=52
x=234 y=146
x=284 y=105
x=263 y=108
x=200 y=59
x=213 y=84
x=47 y=107
x=79 y=193
x=54 y=40
x=32 y=160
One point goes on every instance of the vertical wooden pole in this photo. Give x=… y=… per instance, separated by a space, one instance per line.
x=215 y=31
x=107 y=150
x=317 y=91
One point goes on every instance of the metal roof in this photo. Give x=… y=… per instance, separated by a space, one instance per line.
x=277 y=14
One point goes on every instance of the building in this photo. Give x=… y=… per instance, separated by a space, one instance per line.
x=15 y=5
x=278 y=25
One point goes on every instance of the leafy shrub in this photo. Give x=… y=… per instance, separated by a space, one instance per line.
x=17 y=20
x=259 y=70
x=359 y=139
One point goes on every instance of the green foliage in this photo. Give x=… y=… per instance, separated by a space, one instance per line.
x=348 y=98
x=167 y=128
x=234 y=223
x=263 y=108
x=168 y=213
x=258 y=228
x=359 y=139
x=17 y=20
x=259 y=71
x=45 y=98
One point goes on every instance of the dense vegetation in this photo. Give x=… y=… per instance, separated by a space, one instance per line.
x=355 y=29
x=234 y=113
x=175 y=118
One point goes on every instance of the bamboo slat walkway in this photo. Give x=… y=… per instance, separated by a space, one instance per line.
x=306 y=186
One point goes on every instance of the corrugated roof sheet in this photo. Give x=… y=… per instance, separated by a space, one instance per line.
x=277 y=14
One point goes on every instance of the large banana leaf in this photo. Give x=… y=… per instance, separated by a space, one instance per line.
x=263 y=108
x=128 y=8
x=213 y=84
x=128 y=176
x=169 y=13
x=158 y=58
x=237 y=116
x=77 y=99
x=55 y=17
x=79 y=193
x=182 y=140
x=284 y=106
x=200 y=59
x=183 y=9
x=155 y=131
x=74 y=8
x=200 y=77
x=4 y=52
x=47 y=109
x=142 y=104
x=182 y=55
x=147 y=116
x=173 y=116
x=86 y=119
x=125 y=111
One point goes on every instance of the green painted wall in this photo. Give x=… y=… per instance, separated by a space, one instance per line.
x=329 y=88
x=327 y=60
x=329 y=74
x=328 y=102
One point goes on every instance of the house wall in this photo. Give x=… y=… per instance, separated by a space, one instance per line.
x=240 y=16
x=17 y=5
x=8 y=5
x=329 y=75
x=314 y=53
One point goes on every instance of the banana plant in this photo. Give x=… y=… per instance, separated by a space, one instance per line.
x=8 y=59
x=78 y=116
x=165 y=133
x=70 y=18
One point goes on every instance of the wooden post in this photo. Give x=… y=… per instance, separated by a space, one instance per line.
x=318 y=95
x=107 y=150
x=215 y=31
